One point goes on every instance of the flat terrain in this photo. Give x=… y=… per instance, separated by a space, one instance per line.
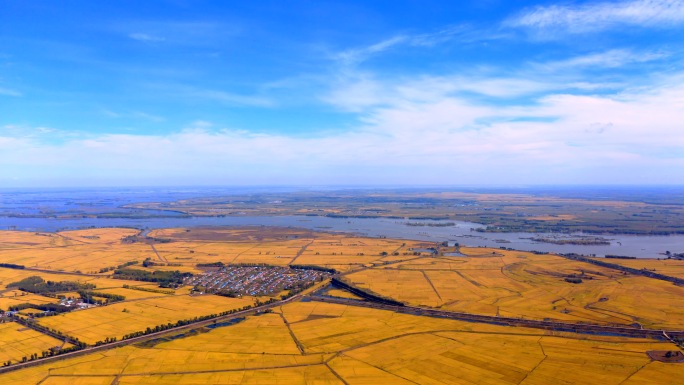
x=122 y=318
x=601 y=210
x=90 y=251
x=671 y=267
x=521 y=284
x=343 y=344
x=18 y=341
x=309 y=341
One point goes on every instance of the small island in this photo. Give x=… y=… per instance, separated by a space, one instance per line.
x=582 y=241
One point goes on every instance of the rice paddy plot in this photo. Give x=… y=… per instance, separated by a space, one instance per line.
x=520 y=284
x=121 y=318
x=18 y=342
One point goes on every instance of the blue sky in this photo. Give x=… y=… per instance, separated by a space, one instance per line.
x=341 y=93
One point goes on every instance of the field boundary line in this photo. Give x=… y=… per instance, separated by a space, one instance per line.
x=289 y=329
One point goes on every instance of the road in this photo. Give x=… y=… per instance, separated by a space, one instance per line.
x=134 y=340
x=625 y=331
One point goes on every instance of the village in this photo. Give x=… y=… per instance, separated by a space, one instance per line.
x=254 y=280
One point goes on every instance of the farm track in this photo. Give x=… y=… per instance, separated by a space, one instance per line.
x=503 y=321
x=582 y=328
x=432 y=285
x=336 y=374
x=301 y=251
x=162 y=259
x=624 y=269
x=289 y=329
x=179 y=372
x=383 y=266
x=244 y=251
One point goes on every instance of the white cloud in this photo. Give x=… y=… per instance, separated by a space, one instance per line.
x=197 y=33
x=359 y=91
x=600 y=16
x=147 y=38
x=353 y=56
x=224 y=97
x=9 y=92
x=133 y=114
x=429 y=138
x=462 y=34
x=613 y=58
x=230 y=98
x=23 y=131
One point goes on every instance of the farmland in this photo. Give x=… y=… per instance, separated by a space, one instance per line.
x=345 y=343
x=311 y=341
x=671 y=267
x=520 y=284
x=18 y=341
x=123 y=318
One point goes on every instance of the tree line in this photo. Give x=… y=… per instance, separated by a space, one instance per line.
x=37 y=285
x=163 y=278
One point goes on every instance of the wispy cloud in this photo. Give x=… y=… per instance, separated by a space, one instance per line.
x=147 y=38
x=191 y=33
x=460 y=33
x=132 y=114
x=230 y=98
x=600 y=16
x=356 y=55
x=9 y=92
x=193 y=93
x=38 y=134
x=561 y=137
x=359 y=91
x=608 y=59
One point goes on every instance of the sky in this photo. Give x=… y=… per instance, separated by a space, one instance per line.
x=378 y=93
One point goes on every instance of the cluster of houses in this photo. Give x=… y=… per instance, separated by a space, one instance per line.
x=75 y=303
x=253 y=280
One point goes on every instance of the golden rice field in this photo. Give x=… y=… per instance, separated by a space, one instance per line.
x=671 y=267
x=520 y=284
x=243 y=246
x=14 y=298
x=17 y=341
x=77 y=256
x=8 y=276
x=132 y=294
x=342 y=294
x=101 y=235
x=121 y=318
x=89 y=251
x=26 y=239
x=256 y=335
x=352 y=345
x=322 y=343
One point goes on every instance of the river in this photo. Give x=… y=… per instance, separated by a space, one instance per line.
x=629 y=245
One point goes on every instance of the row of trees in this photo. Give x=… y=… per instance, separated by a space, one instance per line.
x=211 y=264
x=78 y=345
x=50 y=308
x=163 y=278
x=167 y=326
x=12 y=266
x=38 y=285
x=315 y=268
x=148 y=289
x=54 y=351
x=95 y=298
x=110 y=268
